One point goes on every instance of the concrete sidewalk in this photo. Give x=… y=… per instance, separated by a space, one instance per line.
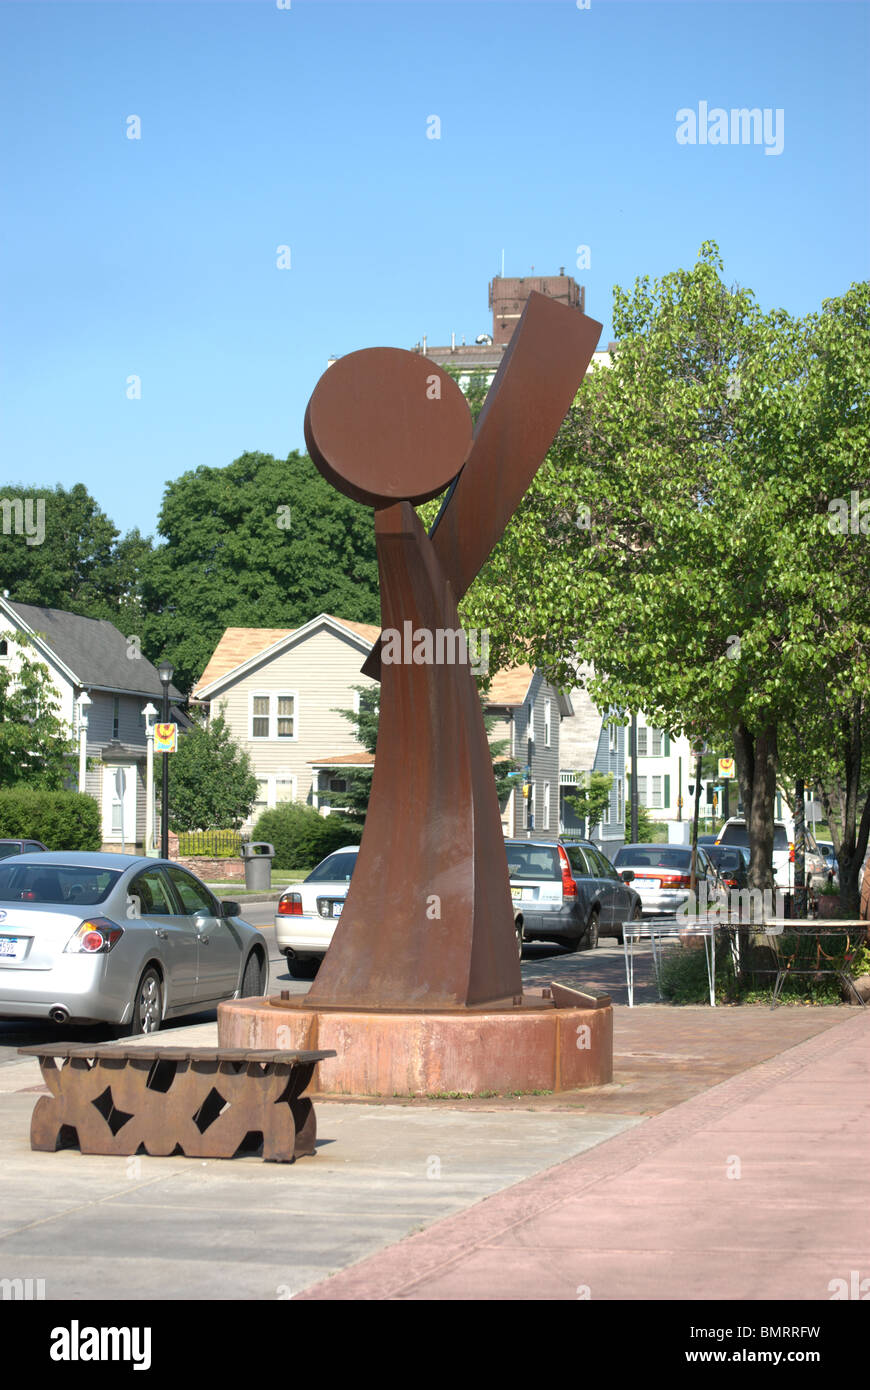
x=460 y=1172
x=754 y=1189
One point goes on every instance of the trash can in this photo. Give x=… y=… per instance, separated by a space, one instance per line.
x=257 y=857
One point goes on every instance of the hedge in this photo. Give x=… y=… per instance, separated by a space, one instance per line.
x=301 y=836
x=61 y=820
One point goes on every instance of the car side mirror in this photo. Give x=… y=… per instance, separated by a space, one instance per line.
x=627 y=875
x=230 y=909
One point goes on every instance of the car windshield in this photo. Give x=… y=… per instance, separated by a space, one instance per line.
x=725 y=858
x=652 y=857
x=56 y=883
x=336 y=868
x=737 y=834
x=8 y=848
x=532 y=861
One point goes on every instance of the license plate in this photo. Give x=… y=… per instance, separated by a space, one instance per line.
x=647 y=882
x=336 y=909
x=9 y=946
x=516 y=892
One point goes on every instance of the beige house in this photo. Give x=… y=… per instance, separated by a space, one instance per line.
x=280 y=690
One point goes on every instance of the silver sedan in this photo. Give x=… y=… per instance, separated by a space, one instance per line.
x=116 y=938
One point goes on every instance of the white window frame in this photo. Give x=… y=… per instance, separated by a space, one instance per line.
x=530 y=722
x=642 y=742
x=273 y=696
x=545 y=810
x=656 y=793
x=547 y=726
x=657 y=743
x=273 y=788
x=642 y=791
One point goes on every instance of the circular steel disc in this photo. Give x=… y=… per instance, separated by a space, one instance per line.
x=386 y=426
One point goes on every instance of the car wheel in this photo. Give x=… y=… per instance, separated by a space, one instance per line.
x=147 y=1003
x=302 y=969
x=590 y=940
x=252 y=980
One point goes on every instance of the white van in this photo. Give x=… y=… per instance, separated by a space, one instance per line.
x=735 y=832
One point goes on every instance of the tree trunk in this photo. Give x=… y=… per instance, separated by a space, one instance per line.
x=756 y=757
x=800 y=874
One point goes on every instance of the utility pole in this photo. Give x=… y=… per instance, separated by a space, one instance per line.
x=693 y=881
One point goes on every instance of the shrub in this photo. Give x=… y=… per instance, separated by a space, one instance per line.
x=301 y=836
x=61 y=820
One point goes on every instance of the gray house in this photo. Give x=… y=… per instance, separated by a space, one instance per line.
x=591 y=743
x=103 y=685
x=528 y=714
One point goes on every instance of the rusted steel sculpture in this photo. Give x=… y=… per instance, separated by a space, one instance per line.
x=428 y=921
x=112 y=1099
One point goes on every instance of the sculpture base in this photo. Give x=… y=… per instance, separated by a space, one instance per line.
x=532 y=1046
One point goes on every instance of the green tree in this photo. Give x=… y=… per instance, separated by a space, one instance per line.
x=212 y=785
x=355 y=800
x=263 y=542
x=76 y=560
x=36 y=747
x=664 y=538
x=592 y=798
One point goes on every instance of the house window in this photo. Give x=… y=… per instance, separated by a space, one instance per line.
x=259 y=716
x=641 y=743
x=619 y=799
x=547 y=725
x=338 y=784
x=641 y=792
x=116 y=715
x=545 y=823
x=530 y=808
x=530 y=721
x=656 y=743
x=262 y=800
x=656 y=798
x=4 y=647
x=273 y=716
x=285 y=789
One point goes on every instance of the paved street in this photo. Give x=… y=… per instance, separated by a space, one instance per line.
x=622 y=1188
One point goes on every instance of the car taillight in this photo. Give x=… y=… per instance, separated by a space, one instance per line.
x=290 y=905
x=95 y=937
x=569 y=887
x=676 y=880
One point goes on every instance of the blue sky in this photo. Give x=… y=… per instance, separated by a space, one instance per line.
x=307 y=127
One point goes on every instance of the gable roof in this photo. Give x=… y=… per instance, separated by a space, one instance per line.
x=241 y=645
x=511 y=686
x=92 y=651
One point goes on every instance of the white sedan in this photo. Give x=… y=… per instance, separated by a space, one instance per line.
x=307 y=913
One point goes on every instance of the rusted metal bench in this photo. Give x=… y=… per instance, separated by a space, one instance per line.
x=202 y=1102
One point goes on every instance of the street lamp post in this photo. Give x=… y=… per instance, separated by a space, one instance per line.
x=84 y=702
x=150 y=714
x=166 y=671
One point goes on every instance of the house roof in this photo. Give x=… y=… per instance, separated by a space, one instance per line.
x=511 y=686
x=239 y=645
x=344 y=760
x=93 y=651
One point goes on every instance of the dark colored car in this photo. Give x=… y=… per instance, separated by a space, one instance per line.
x=10 y=847
x=568 y=892
x=732 y=862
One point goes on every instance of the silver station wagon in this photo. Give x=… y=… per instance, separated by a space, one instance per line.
x=120 y=939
